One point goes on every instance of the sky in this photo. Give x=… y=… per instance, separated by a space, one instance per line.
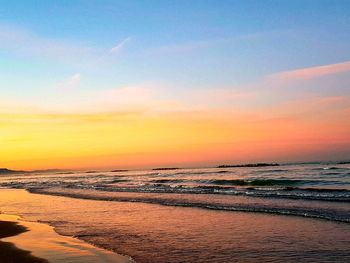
x=108 y=84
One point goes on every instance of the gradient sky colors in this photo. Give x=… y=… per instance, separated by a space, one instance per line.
x=102 y=84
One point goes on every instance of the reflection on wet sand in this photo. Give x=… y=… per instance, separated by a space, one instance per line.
x=8 y=251
x=44 y=242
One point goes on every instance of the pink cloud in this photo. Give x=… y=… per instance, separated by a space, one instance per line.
x=313 y=72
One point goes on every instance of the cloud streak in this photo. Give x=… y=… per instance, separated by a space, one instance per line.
x=313 y=72
x=189 y=46
x=118 y=48
x=71 y=83
x=25 y=43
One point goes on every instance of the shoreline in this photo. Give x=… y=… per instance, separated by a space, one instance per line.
x=33 y=242
x=141 y=197
x=9 y=252
x=157 y=233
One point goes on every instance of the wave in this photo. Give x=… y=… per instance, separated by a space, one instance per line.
x=243 y=182
x=333 y=173
x=256 y=182
x=283 y=189
x=344 y=162
x=332 y=168
x=120 y=180
x=164 y=181
x=329 y=168
x=271 y=171
x=336 y=195
x=321 y=213
x=296 y=193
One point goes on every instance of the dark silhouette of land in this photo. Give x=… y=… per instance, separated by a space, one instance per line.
x=248 y=165
x=5 y=171
x=165 y=168
x=8 y=171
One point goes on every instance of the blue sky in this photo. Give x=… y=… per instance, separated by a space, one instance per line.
x=178 y=45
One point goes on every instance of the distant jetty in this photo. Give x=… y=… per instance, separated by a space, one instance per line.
x=165 y=168
x=248 y=165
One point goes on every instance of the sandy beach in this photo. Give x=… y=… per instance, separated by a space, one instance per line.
x=32 y=242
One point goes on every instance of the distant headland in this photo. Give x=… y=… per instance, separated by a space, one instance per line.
x=4 y=171
x=8 y=171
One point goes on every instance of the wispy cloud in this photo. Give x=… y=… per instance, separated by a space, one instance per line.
x=304 y=83
x=71 y=83
x=25 y=43
x=189 y=46
x=313 y=72
x=267 y=92
x=117 y=49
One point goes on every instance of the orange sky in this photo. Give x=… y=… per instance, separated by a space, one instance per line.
x=302 y=130
x=281 y=117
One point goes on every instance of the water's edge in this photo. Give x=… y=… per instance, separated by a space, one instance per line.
x=20 y=219
x=300 y=212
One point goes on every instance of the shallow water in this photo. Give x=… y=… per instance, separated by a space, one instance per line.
x=195 y=215
x=157 y=233
x=315 y=190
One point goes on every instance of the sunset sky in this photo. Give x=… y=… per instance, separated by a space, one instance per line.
x=108 y=84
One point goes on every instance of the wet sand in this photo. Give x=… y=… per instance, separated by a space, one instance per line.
x=32 y=242
x=8 y=251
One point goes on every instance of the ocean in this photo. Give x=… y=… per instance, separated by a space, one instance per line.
x=285 y=213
